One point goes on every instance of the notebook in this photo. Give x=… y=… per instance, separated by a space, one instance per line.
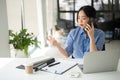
x=100 y=61
x=62 y=67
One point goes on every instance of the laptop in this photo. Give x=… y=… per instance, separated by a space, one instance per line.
x=100 y=61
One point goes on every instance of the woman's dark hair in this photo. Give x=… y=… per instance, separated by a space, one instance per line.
x=88 y=10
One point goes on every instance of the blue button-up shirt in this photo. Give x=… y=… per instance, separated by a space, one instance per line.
x=78 y=42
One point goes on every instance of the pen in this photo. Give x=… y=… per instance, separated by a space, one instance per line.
x=53 y=64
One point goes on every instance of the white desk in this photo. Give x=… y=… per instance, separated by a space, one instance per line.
x=9 y=72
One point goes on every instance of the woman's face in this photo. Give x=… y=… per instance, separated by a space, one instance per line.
x=82 y=19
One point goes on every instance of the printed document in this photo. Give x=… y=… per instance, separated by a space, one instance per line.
x=63 y=66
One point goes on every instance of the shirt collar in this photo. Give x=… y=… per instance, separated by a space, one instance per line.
x=80 y=30
x=83 y=32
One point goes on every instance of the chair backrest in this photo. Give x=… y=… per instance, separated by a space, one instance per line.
x=103 y=48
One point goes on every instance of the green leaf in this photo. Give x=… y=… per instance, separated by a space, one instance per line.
x=22 y=40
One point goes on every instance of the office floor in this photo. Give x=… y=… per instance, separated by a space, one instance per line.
x=113 y=44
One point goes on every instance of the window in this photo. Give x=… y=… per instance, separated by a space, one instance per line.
x=107 y=10
x=67 y=9
x=107 y=15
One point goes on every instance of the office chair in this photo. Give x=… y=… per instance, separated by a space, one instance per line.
x=103 y=48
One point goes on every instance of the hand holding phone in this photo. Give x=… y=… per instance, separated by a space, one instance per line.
x=90 y=28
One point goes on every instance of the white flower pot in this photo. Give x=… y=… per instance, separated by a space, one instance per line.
x=17 y=54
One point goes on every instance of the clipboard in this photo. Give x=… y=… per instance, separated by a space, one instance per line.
x=61 y=68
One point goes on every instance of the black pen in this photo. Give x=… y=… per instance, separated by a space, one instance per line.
x=53 y=64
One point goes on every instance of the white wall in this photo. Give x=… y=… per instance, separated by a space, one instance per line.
x=30 y=15
x=41 y=13
x=14 y=14
x=51 y=13
x=4 y=47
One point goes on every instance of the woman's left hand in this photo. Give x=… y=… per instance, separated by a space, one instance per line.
x=90 y=30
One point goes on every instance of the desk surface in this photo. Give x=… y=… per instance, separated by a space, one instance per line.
x=10 y=72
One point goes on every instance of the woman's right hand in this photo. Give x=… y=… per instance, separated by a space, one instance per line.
x=55 y=43
x=52 y=40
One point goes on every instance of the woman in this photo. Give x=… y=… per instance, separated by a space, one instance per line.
x=85 y=38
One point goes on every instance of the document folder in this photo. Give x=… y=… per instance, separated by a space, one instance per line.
x=38 y=65
x=62 y=67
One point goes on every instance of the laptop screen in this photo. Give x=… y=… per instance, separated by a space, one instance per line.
x=94 y=61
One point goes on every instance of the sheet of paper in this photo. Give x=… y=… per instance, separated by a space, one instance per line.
x=64 y=66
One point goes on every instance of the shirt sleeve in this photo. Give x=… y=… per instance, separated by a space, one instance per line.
x=69 y=43
x=100 y=41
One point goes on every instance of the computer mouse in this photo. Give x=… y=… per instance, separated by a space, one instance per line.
x=75 y=74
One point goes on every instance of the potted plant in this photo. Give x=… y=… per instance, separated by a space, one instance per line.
x=22 y=40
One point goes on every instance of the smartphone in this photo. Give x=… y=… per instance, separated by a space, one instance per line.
x=91 y=22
